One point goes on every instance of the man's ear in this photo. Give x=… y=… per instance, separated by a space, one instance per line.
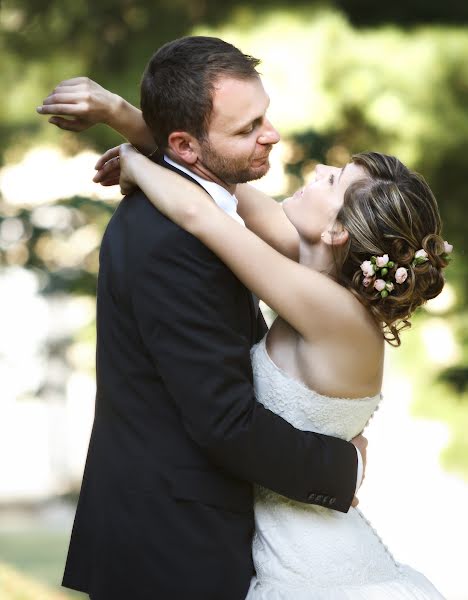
x=336 y=235
x=183 y=147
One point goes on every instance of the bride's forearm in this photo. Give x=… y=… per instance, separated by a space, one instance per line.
x=265 y=216
x=128 y=120
x=179 y=200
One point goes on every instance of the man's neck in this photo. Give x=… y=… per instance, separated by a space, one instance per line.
x=199 y=169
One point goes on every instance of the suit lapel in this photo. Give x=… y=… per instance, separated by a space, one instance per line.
x=253 y=316
x=252 y=300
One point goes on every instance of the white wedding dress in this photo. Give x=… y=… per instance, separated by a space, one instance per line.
x=306 y=552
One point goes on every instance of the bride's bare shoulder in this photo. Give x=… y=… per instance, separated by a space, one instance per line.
x=351 y=355
x=346 y=317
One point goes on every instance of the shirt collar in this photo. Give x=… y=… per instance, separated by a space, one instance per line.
x=224 y=199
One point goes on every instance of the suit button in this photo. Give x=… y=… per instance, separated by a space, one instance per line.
x=311 y=497
x=319 y=498
x=332 y=501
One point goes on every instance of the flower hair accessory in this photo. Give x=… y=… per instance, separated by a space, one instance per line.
x=378 y=269
x=447 y=248
x=420 y=257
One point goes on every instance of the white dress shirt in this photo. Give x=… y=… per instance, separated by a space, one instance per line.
x=223 y=198
x=228 y=202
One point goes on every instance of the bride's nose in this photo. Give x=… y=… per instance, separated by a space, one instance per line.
x=320 y=171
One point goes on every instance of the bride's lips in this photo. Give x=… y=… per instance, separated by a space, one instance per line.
x=299 y=193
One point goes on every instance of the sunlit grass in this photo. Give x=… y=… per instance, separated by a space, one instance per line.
x=15 y=585
x=37 y=552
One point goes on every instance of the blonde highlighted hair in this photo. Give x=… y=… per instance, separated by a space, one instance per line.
x=394 y=212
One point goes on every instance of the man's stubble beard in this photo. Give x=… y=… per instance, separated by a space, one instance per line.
x=229 y=170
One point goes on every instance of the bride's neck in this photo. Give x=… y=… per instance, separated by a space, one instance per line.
x=318 y=257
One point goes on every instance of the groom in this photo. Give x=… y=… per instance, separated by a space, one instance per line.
x=165 y=509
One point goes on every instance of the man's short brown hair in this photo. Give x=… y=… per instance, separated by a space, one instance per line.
x=178 y=83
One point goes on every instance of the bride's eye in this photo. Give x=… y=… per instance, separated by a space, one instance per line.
x=331 y=179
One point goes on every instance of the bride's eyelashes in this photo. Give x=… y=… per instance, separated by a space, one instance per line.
x=331 y=179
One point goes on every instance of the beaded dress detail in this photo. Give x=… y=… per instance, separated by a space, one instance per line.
x=307 y=552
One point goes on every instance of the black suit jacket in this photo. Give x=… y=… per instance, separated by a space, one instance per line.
x=165 y=509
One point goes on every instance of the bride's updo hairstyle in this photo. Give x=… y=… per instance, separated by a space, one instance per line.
x=392 y=212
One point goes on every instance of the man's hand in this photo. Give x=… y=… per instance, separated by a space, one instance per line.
x=361 y=444
x=80 y=103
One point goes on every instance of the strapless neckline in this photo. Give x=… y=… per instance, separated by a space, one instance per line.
x=300 y=384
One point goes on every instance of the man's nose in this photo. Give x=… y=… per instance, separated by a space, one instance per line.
x=269 y=134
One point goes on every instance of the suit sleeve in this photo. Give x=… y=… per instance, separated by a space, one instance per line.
x=184 y=301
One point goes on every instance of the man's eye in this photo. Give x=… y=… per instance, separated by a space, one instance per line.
x=331 y=179
x=247 y=131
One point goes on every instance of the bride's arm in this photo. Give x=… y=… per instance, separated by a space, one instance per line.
x=79 y=103
x=265 y=216
x=311 y=302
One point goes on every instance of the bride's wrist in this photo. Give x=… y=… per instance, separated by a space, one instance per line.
x=116 y=109
x=127 y=120
x=136 y=164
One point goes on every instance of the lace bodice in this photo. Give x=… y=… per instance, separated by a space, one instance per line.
x=308 y=552
x=302 y=407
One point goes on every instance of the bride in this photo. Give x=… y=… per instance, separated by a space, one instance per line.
x=344 y=263
x=367 y=239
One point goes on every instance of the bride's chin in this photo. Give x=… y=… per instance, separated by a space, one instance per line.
x=286 y=201
x=286 y=206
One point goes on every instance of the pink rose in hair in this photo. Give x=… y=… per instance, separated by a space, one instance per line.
x=367 y=268
x=381 y=261
x=421 y=254
x=379 y=285
x=447 y=247
x=401 y=275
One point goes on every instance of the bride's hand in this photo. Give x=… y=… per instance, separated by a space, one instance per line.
x=114 y=167
x=79 y=103
x=128 y=155
x=108 y=167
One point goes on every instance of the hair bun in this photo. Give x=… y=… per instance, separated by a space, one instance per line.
x=392 y=212
x=434 y=245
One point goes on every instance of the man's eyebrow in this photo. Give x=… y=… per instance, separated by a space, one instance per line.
x=342 y=171
x=253 y=121
x=256 y=121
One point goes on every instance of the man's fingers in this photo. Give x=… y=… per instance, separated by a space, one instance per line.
x=355 y=502
x=106 y=157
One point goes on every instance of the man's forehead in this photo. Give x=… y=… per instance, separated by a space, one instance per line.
x=238 y=100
